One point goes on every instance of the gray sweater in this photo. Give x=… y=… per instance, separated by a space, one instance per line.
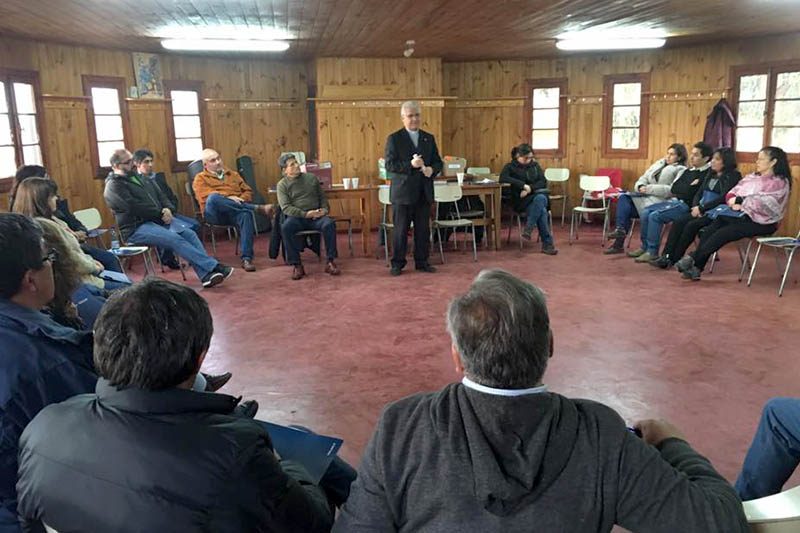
x=462 y=460
x=297 y=196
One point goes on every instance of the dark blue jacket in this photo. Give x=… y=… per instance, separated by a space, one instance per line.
x=41 y=362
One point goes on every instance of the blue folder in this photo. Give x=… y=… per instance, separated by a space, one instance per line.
x=314 y=452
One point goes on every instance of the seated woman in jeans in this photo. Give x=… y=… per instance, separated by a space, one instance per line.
x=712 y=193
x=753 y=208
x=529 y=194
x=651 y=188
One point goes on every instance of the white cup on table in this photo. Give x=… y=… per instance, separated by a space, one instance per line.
x=355 y=183
x=460 y=178
x=346 y=182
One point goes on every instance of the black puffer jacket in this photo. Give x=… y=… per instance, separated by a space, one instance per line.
x=173 y=460
x=520 y=175
x=133 y=203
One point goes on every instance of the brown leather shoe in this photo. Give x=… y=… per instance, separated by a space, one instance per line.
x=332 y=269
x=298 y=272
x=266 y=210
x=248 y=265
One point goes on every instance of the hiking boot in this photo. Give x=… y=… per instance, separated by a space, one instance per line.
x=332 y=269
x=248 y=266
x=686 y=262
x=549 y=249
x=298 y=272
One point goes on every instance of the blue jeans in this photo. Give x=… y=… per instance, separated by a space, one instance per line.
x=167 y=256
x=180 y=239
x=775 y=451
x=88 y=300
x=537 y=216
x=106 y=258
x=226 y=212
x=626 y=211
x=654 y=217
x=292 y=225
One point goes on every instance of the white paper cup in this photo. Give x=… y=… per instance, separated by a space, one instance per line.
x=460 y=177
x=346 y=182
x=355 y=183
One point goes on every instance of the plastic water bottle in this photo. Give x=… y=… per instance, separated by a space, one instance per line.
x=114 y=240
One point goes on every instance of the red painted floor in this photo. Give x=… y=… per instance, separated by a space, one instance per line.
x=330 y=352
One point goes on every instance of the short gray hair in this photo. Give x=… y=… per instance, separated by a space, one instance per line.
x=119 y=156
x=501 y=329
x=410 y=104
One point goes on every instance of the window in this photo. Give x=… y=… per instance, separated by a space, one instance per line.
x=625 y=115
x=108 y=124
x=185 y=122
x=767 y=108
x=20 y=126
x=546 y=115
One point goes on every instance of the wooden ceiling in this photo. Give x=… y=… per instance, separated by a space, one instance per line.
x=450 y=29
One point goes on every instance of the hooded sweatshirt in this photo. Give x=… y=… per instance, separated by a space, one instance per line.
x=462 y=460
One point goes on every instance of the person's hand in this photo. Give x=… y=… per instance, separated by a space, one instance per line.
x=417 y=162
x=656 y=431
x=732 y=201
x=166 y=215
x=523 y=193
x=527 y=188
x=695 y=182
x=427 y=171
x=642 y=189
x=81 y=236
x=98 y=266
x=736 y=207
x=236 y=199
x=696 y=212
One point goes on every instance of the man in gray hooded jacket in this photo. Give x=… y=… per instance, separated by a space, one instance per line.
x=499 y=453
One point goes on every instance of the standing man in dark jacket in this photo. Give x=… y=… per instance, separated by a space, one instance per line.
x=499 y=452
x=412 y=161
x=144 y=217
x=529 y=194
x=41 y=361
x=149 y=453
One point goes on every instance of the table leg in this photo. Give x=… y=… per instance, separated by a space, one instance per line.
x=366 y=226
x=496 y=196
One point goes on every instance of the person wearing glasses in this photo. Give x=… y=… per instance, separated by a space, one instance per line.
x=144 y=216
x=529 y=194
x=43 y=362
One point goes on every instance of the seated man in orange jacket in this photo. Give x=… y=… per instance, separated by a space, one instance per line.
x=224 y=199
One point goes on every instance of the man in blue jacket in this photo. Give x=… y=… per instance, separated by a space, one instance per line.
x=41 y=362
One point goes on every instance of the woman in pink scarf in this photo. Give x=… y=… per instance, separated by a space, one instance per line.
x=753 y=208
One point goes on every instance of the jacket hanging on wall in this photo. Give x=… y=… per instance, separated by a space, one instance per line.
x=720 y=124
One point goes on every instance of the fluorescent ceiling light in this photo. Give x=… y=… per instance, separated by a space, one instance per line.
x=221 y=31
x=225 y=45
x=599 y=43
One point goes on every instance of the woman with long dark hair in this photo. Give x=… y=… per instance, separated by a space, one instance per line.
x=652 y=187
x=752 y=208
x=712 y=193
x=529 y=194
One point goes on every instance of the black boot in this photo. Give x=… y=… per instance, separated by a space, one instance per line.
x=617 y=247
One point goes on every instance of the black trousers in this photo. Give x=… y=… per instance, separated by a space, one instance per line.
x=403 y=215
x=724 y=230
x=682 y=235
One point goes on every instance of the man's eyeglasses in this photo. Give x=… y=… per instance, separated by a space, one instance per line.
x=126 y=162
x=51 y=256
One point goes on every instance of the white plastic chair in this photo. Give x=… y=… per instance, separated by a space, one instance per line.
x=779 y=513
x=559 y=175
x=92 y=220
x=789 y=247
x=451 y=193
x=385 y=225
x=590 y=184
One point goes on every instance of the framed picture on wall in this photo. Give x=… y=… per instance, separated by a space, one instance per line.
x=147 y=69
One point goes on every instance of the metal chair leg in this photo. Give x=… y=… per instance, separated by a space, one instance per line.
x=441 y=251
x=786 y=271
x=753 y=265
x=474 y=245
x=350 y=238
x=519 y=227
x=571 y=226
x=745 y=259
x=563 y=209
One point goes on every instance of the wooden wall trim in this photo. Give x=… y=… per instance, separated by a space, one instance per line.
x=486 y=102
x=65 y=104
x=363 y=104
x=245 y=105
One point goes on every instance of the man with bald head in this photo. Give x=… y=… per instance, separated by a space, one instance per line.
x=412 y=161
x=225 y=199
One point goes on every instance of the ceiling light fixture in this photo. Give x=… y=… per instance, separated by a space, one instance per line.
x=225 y=45
x=599 y=43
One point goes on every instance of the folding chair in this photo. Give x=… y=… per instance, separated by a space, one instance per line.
x=788 y=245
x=590 y=184
x=451 y=193
x=560 y=176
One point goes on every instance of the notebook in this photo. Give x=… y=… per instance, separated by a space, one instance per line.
x=314 y=452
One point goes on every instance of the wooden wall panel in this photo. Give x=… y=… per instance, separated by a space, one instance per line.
x=258 y=108
x=485 y=135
